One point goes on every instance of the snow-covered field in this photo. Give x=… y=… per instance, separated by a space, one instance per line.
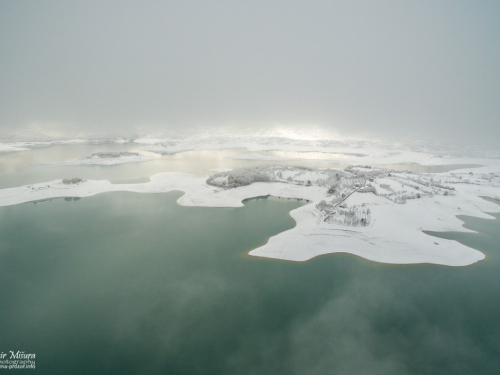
x=367 y=210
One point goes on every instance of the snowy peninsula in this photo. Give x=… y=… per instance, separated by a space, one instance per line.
x=375 y=213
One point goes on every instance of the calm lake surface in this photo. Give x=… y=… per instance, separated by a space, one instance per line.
x=124 y=283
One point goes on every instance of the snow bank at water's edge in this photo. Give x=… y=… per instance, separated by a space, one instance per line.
x=395 y=234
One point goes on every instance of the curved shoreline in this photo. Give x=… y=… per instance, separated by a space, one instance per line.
x=395 y=236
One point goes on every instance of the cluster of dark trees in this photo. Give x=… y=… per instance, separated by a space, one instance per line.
x=240 y=177
x=72 y=181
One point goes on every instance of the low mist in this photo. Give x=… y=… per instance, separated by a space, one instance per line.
x=364 y=68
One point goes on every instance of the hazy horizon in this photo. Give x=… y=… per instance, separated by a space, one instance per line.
x=349 y=68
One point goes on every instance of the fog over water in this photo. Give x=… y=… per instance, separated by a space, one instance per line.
x=423 y=68
x=157 y=299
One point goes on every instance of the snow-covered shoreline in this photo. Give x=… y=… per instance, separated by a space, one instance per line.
x=29 y=145
x=395 y=234
x=106 y=158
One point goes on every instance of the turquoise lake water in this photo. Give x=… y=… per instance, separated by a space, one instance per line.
x=124 y=283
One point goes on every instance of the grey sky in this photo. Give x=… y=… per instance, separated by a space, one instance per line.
x=420 y=67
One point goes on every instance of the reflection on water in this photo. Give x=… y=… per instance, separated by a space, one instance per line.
x=19 y=168
x=133 y=283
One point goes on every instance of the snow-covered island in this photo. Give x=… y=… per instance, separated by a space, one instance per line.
x=375 y=213
x=106 y=158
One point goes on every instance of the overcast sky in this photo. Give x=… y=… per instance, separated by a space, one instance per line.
x=398 y=67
